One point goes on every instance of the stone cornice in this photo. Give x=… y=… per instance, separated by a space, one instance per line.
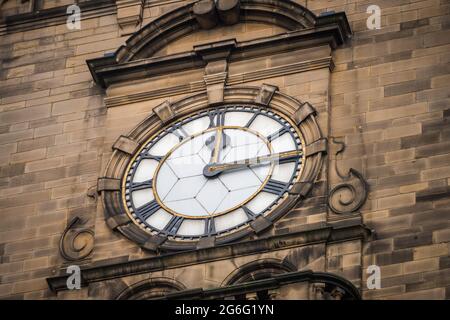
x=107 y=71
x=233 y=79
x=312 y=234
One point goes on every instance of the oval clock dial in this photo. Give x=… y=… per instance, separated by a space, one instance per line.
x=213 y=172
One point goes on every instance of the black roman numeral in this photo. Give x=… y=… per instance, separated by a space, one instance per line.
x=249 y=123
x=290 y=158
x=180 y=133
x=275 y=187
x=147 y=210
x=217 y=118
x=151 y=157
x=210 y=226
x=278 y=133
x=141 y=185
x=173 y=225
x=250 y=214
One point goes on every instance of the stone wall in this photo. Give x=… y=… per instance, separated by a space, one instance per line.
x=390 y=100
x=387 y=98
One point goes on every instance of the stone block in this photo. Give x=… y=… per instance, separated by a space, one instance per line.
x=396 y=201
x=27 y=156
x=436 y=173
x=421 y=265
x=403 y=131
x=43 y=164
x=435 y=250
x=440 y=236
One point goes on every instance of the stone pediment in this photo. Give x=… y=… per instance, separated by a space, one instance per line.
x=136 y=59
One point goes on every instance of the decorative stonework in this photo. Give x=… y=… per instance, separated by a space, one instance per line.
x=351 y=193
x=231 y=80
x=330 y=234
x=150 y=289
x=324 y=286
x=257 y=270
x=118 y=219
x=76 y=242
x=164 y=111
x=137 y=54
x=215 y=55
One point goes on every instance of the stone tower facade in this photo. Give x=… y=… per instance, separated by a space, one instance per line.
x=85 y=86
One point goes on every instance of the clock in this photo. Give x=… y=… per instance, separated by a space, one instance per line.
x=213 y=172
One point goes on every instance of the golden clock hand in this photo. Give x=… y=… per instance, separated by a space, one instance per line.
x=217 y=147
x=213 y=169
x=220 y=141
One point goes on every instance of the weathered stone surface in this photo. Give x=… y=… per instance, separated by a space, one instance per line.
x=385 y=93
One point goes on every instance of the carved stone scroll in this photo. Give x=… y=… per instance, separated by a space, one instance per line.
x=349 y=195
x=76 y=243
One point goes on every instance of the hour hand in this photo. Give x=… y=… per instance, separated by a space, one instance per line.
x=216 y=143
x=213 y=169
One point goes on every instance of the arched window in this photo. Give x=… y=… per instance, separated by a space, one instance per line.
x=150 y=289
x=258 y=270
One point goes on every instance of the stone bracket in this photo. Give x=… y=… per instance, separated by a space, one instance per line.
x=129 y=15
x=301 y=188
x=303 y=112
x=153 y=243
x=260 y=224
x=215 y=84
x=207 y=242
x=126 y=145
x=108 y=184
x=214 y=51
x=265 y=94
x=317 y=146
x=117 y=220
x=133 y=231
x=216 y=71
x=165 y=112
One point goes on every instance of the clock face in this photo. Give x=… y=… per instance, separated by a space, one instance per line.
x=213 y=172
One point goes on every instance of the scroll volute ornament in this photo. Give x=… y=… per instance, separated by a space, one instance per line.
x=76 y=243
x=351 y=193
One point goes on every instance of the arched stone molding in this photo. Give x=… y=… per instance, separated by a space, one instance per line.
x=305 y=285
x=183 y=21
x=136 y=60
x=257 y=270
x=150 y=289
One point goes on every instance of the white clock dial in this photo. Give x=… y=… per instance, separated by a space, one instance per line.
x=213 y=172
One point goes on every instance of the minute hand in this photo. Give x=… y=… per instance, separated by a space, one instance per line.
x=214 y=169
